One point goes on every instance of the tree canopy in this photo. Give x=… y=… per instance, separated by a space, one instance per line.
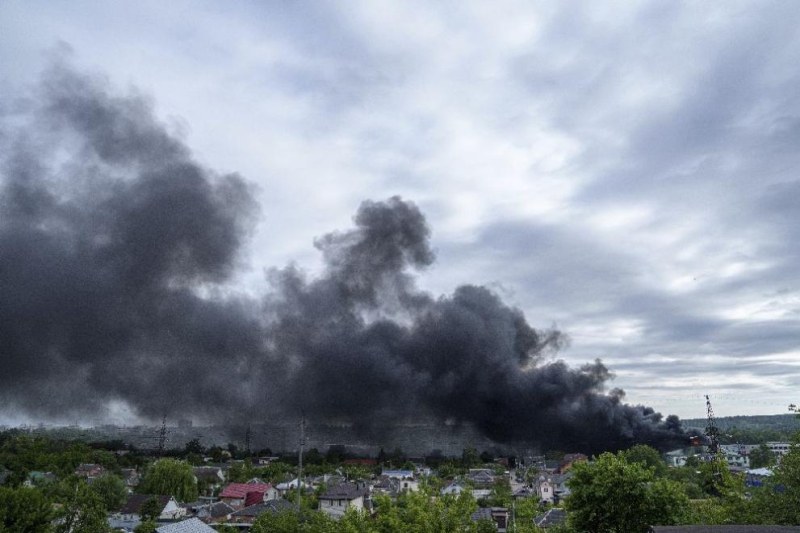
x=170 y=477
x=611 y=495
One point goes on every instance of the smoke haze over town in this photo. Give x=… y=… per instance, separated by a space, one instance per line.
x=310 y=213
x=116 y=245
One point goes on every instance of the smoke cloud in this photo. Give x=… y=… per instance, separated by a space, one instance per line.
x=116 y=247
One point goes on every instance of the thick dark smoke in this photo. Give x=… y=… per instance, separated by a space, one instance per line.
x=115 y=250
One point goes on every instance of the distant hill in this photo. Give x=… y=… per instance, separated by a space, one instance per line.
x=750 y=429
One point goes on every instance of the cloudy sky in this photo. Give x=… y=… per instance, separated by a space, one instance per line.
x=626 y=172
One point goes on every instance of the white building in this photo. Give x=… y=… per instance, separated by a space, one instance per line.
x=338 y=499
x=779 y=448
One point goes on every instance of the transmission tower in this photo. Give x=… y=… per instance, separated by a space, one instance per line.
x=300 y=460
x=712 y=431
x=247 y=436
x=162 y=436
x=714 y=452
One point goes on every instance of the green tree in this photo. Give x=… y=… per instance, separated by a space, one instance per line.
x=313 y=457
x=761 y=457
x=24 y=510
x=354 y=521
x=194 y=446
x=387 y=515
x=611 y=495
x=646 y=456
x=526 y=510
x=470 y=457
x=283 y=522
x=151 y=509
x=170 y=477
x=147 y=526
x=781 y=499
x=112 y=491
x=486 y=525
x=84 y=512
x=501 y=494
x=241 y=472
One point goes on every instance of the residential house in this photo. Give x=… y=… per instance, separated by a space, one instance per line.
x=386 y=485
x=337 y=499
x=569 y=460
x=289 y=486
x=249 y=514
x=676 y=458
x=192 y=525
x=421 y=470
x=130 y=515
x=481 y=477
x=779 y=448
x=551 y=518
x=209 y=478
x=523 y=493
x=405 y=479
x=560 y=487
x=316 y=481
x=756 y=476
x=397 y=474
x=393 y=487
x=89 y=471
x=454 y=488
x=741 y=449
x=498 y=515
x=37 y=478
x=215 y=512
x=239 y=495
x=545 y=488
x=131 y=478
x=481 y=494
x=736 y=460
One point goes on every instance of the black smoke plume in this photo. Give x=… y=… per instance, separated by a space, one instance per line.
x=116 y=248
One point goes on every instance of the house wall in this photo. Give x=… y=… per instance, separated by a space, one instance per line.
x=410 y=485
x=779 y=448
x=172 y=510
x=234 y=502
x=546 y=491
x=337 y=508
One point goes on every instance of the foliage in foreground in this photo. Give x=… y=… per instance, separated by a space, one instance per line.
x=612 y=495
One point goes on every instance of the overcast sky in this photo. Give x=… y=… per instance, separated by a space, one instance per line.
x=626 y=172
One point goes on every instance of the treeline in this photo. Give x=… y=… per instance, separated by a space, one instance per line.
x=749 y=429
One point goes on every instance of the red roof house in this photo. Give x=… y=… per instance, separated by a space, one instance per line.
x=246 y=494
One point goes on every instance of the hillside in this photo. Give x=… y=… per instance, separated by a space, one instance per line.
x=750 y=429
